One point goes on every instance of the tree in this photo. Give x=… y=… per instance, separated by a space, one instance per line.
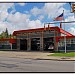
x=3 y=35
x=10 y=36
x=6 y=33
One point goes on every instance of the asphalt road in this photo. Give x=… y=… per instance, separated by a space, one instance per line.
x=8 y=64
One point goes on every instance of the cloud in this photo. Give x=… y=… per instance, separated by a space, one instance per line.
x=17 y=17
x=70 y=27
x=34 y=24
x=16 y=21
x=5 y=6
x=66 y=12
x=3 y=26
x=36 y=11
x=3 y=15
x=72 y=30
x=4 y=10
x=19 y=21
x=52 y=9
x=28 y=24
x=69 y=19
x=41 y=17
x=49 y=9
x=21 y=4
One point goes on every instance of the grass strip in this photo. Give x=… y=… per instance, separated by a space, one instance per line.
x=70 y=54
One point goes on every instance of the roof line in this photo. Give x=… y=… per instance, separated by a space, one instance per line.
x=41 y=29
x=66 y=32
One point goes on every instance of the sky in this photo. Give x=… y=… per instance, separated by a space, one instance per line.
x=29 y=15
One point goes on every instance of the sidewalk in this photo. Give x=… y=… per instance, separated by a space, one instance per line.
x=34 y=55
x=57 y=58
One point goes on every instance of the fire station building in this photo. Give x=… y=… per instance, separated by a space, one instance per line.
x=40 y=39
x=44 y=39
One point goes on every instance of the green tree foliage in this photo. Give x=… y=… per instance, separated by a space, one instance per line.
x=5 y=34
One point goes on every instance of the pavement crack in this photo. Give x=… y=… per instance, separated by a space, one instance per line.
x=8 y=65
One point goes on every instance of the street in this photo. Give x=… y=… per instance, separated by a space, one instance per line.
x=13 y=64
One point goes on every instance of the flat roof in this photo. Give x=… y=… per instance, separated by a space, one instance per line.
x=42 y=29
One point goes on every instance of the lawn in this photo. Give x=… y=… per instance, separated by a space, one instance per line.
x=69 y=54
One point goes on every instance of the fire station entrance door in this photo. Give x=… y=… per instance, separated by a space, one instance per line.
x=35 y=44
x=23 y=44
x=49 y=44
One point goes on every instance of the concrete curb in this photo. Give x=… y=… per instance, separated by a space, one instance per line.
x=53 y=59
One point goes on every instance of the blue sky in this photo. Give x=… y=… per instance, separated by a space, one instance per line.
x=18 y=16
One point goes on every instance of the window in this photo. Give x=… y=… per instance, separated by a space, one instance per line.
x=4 y=43
x=72 y=41
x=68 y=41
x=61 y=43
x=68 y=45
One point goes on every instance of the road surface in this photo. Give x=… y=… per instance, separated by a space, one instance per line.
x=13 y=64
